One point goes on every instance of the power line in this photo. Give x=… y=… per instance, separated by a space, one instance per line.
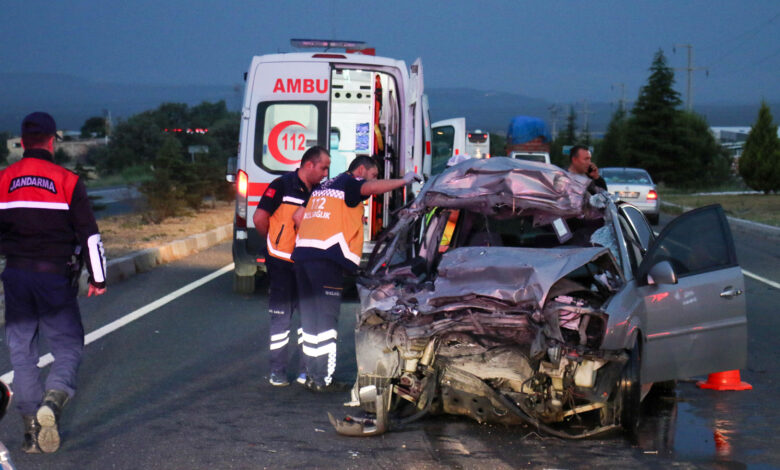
x=739 y=40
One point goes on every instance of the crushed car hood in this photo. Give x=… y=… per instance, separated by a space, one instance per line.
x=514 y=276
x=497 y=278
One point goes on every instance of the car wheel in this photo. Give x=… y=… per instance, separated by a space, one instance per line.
x=243 y=284
x=630 y=389
x=653 y=218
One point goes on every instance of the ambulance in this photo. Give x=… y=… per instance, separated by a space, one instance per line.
x=352 y=103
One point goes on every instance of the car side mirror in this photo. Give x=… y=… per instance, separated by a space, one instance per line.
x=230 y=173
x=662 y=273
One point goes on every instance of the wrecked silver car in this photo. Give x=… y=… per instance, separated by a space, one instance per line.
x=510 y=292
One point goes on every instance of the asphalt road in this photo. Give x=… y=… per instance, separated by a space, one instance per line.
x=185 y=386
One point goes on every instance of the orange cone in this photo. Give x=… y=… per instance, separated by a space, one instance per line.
x=728 y=380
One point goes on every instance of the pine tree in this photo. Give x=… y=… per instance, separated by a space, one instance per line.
x=759 y=164
x=611 y=151
x=652 y=133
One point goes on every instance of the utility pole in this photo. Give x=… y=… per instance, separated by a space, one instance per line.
x=690 y=69
x=554 y=119
x=586 y=113
x=622 y=95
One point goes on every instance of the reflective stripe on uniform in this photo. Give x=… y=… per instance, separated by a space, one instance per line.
x=60 y=206
x=325 y=244
x=280 y=336
x=275 y=252
x=320 y=351
x=320 y=338
x=293 y=200
x=280 y=344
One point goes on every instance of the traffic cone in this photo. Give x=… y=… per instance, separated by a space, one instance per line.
x=728 y=380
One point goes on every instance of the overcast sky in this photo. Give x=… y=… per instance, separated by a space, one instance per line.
x=562 y=51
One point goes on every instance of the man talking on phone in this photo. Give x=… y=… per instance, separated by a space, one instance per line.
x=581 y=164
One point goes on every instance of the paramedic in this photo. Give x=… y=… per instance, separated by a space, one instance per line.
x=46 y=222
x=273 y=220
x=330 y=244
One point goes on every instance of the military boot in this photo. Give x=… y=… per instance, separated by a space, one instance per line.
x=48 y=417
x=31 y=429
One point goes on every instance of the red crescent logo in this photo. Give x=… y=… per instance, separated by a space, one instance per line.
x=273 y=141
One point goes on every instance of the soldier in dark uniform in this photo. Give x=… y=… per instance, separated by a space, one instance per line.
x=46 y=223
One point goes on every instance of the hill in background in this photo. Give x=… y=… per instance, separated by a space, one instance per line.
x=71 y=100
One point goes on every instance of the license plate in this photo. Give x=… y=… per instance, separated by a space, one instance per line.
x=628 y=194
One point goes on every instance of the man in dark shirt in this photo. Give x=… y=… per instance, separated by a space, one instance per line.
x=581 y=164
x=46 y=224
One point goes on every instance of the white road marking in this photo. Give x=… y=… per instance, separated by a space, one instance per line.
x=774 y=284
x=47 y=359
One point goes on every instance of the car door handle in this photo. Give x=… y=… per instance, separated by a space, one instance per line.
x=730 y=292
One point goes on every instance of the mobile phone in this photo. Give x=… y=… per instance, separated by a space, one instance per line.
x=591 y=168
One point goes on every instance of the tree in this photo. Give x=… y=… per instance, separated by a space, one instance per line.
x=653 y=140
x=706 y=162
x=611 y=150
x=568 y=136
x=4 y=136
x=497 y=144
x=93 y=127
x=759 y=164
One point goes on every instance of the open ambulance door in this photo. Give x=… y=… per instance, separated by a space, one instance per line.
x=418 y=113
x=427 y=138
x=449 y=140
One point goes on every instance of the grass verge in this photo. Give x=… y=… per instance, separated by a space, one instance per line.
x=762 y=208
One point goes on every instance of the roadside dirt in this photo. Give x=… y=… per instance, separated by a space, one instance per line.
x=123 y=234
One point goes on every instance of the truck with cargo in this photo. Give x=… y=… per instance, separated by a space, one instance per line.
x=528 y=139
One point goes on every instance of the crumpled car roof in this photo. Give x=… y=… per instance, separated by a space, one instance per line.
x=480 y=185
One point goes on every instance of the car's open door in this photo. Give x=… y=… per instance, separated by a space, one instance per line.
x=698 y=325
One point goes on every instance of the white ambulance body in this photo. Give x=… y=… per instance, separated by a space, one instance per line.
x=297 y=100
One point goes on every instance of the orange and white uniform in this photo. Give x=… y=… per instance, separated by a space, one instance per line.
x=332 y=226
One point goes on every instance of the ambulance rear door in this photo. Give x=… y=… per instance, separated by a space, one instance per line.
x=418 y=114
x=289 y=113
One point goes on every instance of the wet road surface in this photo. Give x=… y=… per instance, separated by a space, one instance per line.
x=186 y=387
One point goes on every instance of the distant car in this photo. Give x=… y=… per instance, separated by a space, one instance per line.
x=508 y=293
x=635 y=186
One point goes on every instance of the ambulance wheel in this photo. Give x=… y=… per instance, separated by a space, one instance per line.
x=243 y=284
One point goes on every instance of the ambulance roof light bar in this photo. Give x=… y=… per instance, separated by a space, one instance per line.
x=326 y=43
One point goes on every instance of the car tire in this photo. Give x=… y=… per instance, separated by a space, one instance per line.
x=243 y=284
x=630 y=389
x=653 y=218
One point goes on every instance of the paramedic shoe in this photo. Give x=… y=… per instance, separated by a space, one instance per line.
x=48 y=417
x=31 y=429
x=278 y=379
x=322 y=388
x=301 y=378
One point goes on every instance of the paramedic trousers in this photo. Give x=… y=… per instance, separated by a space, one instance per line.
x=282 y=301
x=41 y=303
x=320 y=284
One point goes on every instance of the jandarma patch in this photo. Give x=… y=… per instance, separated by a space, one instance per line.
x=32 y=181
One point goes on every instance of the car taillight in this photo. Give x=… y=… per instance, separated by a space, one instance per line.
x=242 y=184
x=428 y=147
x=652 y=195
